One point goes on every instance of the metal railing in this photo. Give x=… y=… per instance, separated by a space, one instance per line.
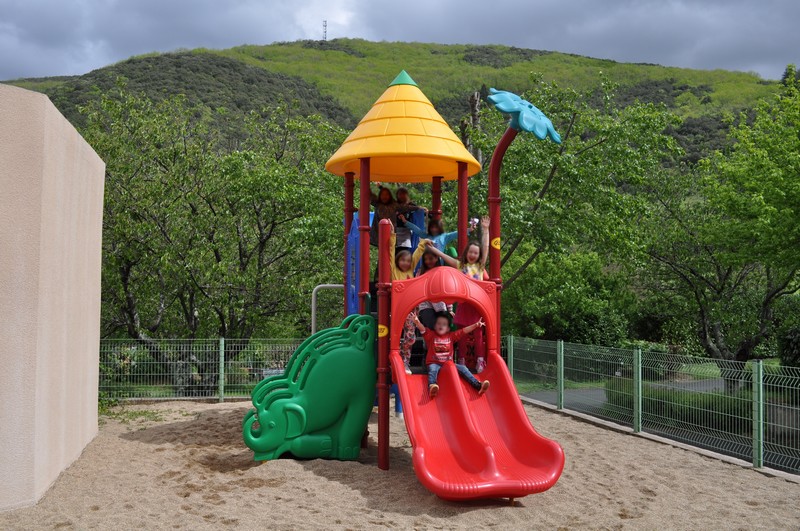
x=746 y=410
x=189 y=368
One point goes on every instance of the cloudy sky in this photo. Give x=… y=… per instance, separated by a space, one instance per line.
x=57 y=37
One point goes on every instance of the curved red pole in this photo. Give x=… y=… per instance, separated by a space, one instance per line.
x=384 y=287
x=349 y=209
x=363 y=228
x=463 y=208
x=494 y=213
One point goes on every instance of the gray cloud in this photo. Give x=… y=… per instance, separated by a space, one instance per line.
x=56 y=37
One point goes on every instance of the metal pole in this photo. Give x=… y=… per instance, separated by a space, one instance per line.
x=436 y=197
x=494 y=213
x=637 y=390
x=349 y=209
x=560 y=374
x=463 y=208
x=314 y=302
x=363 y=228
x=384 y=285
x=221 y=379
x=758 y=414
x=510 y=356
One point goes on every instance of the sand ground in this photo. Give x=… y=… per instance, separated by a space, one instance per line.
x=182 y=465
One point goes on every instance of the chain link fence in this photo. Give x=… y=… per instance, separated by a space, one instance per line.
x=189 y=368
x=746 y=410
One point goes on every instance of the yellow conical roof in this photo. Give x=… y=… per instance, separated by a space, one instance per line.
x=405 y=139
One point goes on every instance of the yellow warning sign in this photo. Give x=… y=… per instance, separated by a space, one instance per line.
x=383 y=330
x=496 y=243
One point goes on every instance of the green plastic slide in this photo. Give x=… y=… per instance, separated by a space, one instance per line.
x=320 y=406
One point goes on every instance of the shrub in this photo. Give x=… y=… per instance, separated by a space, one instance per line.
x=730 y=413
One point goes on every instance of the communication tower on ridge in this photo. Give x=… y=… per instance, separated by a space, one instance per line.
x=324 y=30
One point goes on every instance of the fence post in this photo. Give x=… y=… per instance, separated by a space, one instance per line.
x=758 y=414
x=560 y=374
x=637 y=390
x=221 y=379
x=510 y=356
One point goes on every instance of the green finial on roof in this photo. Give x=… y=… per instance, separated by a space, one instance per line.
x=403 y=79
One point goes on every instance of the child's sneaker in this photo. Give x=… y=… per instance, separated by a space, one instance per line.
x=484 y=387
x=433 y=390
x=480 y=366
x=408 y=369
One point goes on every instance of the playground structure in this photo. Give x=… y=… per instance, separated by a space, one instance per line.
x=465 y=446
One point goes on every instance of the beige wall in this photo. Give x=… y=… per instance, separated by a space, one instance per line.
x=51 y=207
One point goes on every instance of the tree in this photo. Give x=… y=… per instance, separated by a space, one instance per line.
x=202 y=241
x=581 y=192
x=726 y=239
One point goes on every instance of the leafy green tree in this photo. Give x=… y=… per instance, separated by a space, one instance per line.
x=727 y=239
x=581 y=192
x=201 y=240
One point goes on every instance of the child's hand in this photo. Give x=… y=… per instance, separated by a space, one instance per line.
x=485 y=222
x=401 y=217
x=480 y=323
x=429 y=243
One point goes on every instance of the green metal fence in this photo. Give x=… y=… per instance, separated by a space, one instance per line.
x=746 y=410
x=189 y=369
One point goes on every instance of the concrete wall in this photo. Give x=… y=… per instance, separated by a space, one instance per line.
x=51 y=208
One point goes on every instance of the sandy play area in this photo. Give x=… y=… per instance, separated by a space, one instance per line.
x=182 y=465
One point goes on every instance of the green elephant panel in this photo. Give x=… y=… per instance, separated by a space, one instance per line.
x=320 y=406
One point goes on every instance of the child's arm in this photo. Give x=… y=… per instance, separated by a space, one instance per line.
x=469 y=329
x=449 y=260
x=392 y=244
x=418 y=324
x=413 y=228
x=484 y=239
x=418 y=252
x=447 y=237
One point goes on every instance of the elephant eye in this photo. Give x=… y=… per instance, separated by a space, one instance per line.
x=271 y=424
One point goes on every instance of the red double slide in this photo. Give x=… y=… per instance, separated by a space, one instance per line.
x=468 y=446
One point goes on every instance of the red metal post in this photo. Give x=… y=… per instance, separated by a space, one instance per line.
x=384 y=287
x=363 y=228
x=349 y=209
x=436 y=197
x=494 y=213
x=463 y=208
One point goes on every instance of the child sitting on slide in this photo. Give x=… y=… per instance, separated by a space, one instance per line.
x=440 y=343
x=472 y=264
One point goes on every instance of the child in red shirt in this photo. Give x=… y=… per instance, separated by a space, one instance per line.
x=440 y=343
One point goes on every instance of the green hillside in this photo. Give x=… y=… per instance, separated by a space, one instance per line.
x=350 y=73
x=208 y=79
x=355 y=71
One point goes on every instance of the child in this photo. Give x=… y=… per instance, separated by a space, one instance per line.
x=427 y=310
x=440 y=350
x=402 y=264
x=385 y=208
x=435 y=233
x=403 y=207
x=473 y=264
